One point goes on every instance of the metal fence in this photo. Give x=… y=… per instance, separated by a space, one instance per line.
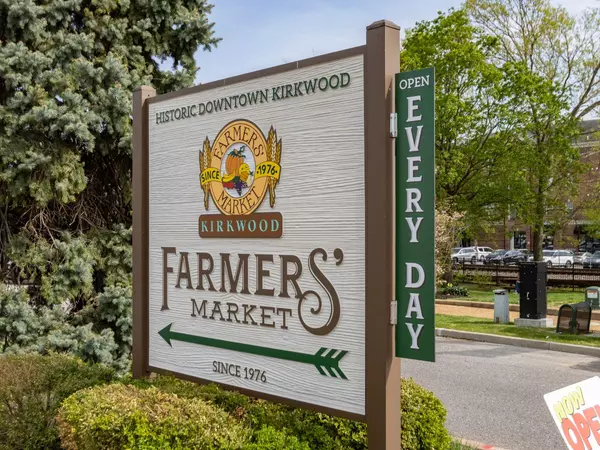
x=557 y=276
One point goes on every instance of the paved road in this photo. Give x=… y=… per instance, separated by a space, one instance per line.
x=494 y=393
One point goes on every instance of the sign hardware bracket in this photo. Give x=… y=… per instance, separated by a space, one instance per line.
x=393 y=312
x=393 y=125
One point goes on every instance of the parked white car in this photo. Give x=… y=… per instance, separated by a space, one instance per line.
x=558 y=258
x=482 y=252
x=466 y=254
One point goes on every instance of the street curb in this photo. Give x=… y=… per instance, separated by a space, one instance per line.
x=519 y=342
x=485 y=305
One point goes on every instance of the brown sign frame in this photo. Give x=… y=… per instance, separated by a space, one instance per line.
x=382 y=376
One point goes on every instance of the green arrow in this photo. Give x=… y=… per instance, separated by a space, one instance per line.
x=327 y=361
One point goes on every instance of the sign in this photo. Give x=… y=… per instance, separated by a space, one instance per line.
x=257 y=234
x=415 y=215
x=576 y=412
x=263 y=234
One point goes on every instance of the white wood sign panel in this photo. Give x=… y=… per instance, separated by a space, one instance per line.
x=279 y=162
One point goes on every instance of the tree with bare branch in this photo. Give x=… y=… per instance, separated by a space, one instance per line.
x=552 y=60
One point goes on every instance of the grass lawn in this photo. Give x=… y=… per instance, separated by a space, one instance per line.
x=556 y=297
x=479 y=325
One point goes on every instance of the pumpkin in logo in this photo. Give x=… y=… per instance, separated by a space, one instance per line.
x=236 y=152
x=234 y=161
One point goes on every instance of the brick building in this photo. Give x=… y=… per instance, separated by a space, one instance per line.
x=512 y=234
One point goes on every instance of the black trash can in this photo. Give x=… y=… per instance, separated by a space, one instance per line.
x=532 y=290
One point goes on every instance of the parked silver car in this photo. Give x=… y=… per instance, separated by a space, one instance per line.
x=579 y=258
x=466 y=254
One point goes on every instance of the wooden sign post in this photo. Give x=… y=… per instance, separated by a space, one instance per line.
x=383 y=370
x=263 y=234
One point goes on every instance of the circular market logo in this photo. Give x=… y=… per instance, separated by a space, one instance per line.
x=239 y=167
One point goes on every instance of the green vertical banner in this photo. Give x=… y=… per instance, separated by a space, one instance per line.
x=415 y=214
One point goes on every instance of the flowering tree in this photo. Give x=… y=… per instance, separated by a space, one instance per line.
x=448 y=227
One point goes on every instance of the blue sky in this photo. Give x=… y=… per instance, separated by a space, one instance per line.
x=263 y=33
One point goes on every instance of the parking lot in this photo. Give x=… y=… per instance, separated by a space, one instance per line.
x=573 y=276
x=565 y=258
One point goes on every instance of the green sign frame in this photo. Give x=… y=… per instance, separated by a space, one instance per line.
x=415 y=214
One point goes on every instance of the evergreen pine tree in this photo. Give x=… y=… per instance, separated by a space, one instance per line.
x=68 y=69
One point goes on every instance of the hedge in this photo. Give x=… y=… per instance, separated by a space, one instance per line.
x=423 y=416
x=268 y=438
x=31 y=390
x=168 y=413
x=125 y=417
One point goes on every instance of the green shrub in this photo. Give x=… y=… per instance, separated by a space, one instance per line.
x=481 y=278
x=423 y=417
x=455 y=291
x=318 y=431
x=31 y=390
x=459 y=277
x=268 y=438
x=125 y=417
x=457 y=445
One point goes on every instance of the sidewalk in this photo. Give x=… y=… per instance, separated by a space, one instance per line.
x=486 y=313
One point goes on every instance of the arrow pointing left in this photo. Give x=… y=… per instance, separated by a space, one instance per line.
x=327 y=361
